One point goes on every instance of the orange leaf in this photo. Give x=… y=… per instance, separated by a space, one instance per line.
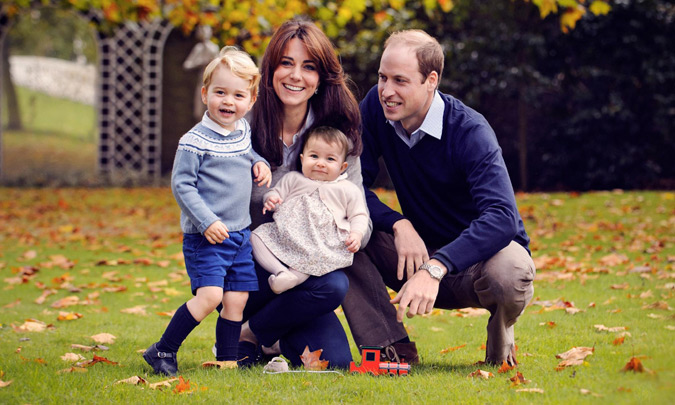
x=312 y=360
x=634 y=365
x=481 y=374
x=451 y=349
x=618 y=341
x=66 y=302
x=183 y=386
x=505 y=367
x=518 y=379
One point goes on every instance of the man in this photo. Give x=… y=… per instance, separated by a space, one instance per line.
x=460 y=241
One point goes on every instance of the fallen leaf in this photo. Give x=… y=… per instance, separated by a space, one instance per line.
x=162 y=384
x=96 y=359
x=472 y=312
x=68 y=316
x=137 y=310
x=135 y=380
x=13 y=303
x=658 y=305
x=4 y=384
x=603 y=328
x=183 y=386
x=635 y=365
x=220 y=364
x=88 y=348
x=535 y=390
x=481 y=374
x=312 y=361
x=451 y=349
x=505 y=367
x=518 y=379
x=72 y=370
x=31 y=325
x=66 y=302
x=43 y=297
x=104 y=338
x=576 y=353
x=623 y=286
x=618 y=341
x=72 y=357
x=584 y=391
x=169 y=313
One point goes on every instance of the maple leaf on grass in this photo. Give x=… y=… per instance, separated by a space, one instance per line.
x=31 y=325
x=104 y=338
x=505 y=367
x=135 y=380
x=220 y=364
x=161 y=384
x=312 y=361
x=451 y=349
x=635 y=365
x=88 y=348
x=574 y=357
x=183 y=386
x=68 y=316
x=518 y=379
x=481 y=374
x=66 y=302
x=72 y=357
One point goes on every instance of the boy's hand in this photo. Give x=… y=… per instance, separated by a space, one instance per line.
x=217 y=232
x=262 y=174
x=353 y=242
x=271 y=203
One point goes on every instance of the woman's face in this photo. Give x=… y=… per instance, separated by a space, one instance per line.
x=296 y=77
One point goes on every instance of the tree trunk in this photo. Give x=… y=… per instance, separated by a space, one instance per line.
x=13 y=111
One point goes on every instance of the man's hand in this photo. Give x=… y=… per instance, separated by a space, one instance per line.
x=412 y=252
x=418 y=294
x=217 y=232
x=262 y=174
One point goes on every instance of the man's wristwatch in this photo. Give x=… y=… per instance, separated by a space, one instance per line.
x=435 y=271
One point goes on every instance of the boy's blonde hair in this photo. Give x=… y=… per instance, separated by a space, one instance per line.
x=331 y=135
x=240 y=64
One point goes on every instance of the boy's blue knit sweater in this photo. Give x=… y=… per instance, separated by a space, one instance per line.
x=212 y=176
x=456 y=191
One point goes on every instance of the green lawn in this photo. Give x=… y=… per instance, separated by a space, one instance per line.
x=57 y=145
x=610 y=255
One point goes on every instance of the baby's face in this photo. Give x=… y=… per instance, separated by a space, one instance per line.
x=322 y=160
x=228 y=97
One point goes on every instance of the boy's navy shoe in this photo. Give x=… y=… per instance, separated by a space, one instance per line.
x=249 y=354
x=161 y=362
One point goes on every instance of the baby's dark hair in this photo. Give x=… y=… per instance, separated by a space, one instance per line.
x=332 y=136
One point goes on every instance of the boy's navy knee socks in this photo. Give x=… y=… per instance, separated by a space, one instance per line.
x=227 y=339
x=179 y=328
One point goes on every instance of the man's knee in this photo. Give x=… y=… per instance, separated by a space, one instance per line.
x=509 y=275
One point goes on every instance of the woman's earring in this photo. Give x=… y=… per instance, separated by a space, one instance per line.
x=316 y=91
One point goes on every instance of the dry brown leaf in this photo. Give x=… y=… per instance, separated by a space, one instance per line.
x=623 y=286
x=31 y=325
x=96 y=359
x=88 y=348
x=472 y=312
x=169 y=313
x=576 y=353
x=183 y=386
x=635 y=365
x=104 y=338
x=162 y=384
x=451 y=349
x=72 y=357
x=535 y=390
x=72 y=370
x=220 y=364
x=658 y=305
x=518 y=379
x=505 y=367
x=135 y=380
x=481 y=374
x=619 y=341
x=43 y=297
x=66 y=302
x=68 y=316
x=603 y=328
x=137 y=310
x=584 y=391
x=13 y=303
x=4 y=384
x=312 y=360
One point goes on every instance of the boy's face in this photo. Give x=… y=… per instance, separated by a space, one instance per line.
x=322 y=160
x=228 y=97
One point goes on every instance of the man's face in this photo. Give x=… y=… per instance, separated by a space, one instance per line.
x=404 y=94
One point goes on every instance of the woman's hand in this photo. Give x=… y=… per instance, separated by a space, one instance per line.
x=262 y=174
x=271 y=203
x=217 y=232
x=353 y=241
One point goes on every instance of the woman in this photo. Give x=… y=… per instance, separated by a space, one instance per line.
x=303 y=86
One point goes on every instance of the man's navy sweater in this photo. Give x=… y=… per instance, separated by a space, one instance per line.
x=456 y=191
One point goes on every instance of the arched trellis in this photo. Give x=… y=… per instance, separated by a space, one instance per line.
x=129 y=97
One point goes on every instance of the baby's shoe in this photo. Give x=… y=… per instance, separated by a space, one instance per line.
x=161 y=362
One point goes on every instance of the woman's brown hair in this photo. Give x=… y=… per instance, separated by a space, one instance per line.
x=334 y=105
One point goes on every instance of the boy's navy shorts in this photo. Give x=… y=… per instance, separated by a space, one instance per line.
x=228 y=265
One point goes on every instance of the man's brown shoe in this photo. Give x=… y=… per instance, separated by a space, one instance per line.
x=400 y=352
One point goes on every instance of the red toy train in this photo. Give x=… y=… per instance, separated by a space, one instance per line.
x=371 y=363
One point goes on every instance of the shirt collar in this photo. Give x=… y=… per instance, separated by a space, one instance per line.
x=214 y=126
x=432 y=124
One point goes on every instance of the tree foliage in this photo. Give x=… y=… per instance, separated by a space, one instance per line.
x=250 y=23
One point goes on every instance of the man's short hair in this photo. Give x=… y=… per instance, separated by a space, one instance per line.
x=427 y=49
